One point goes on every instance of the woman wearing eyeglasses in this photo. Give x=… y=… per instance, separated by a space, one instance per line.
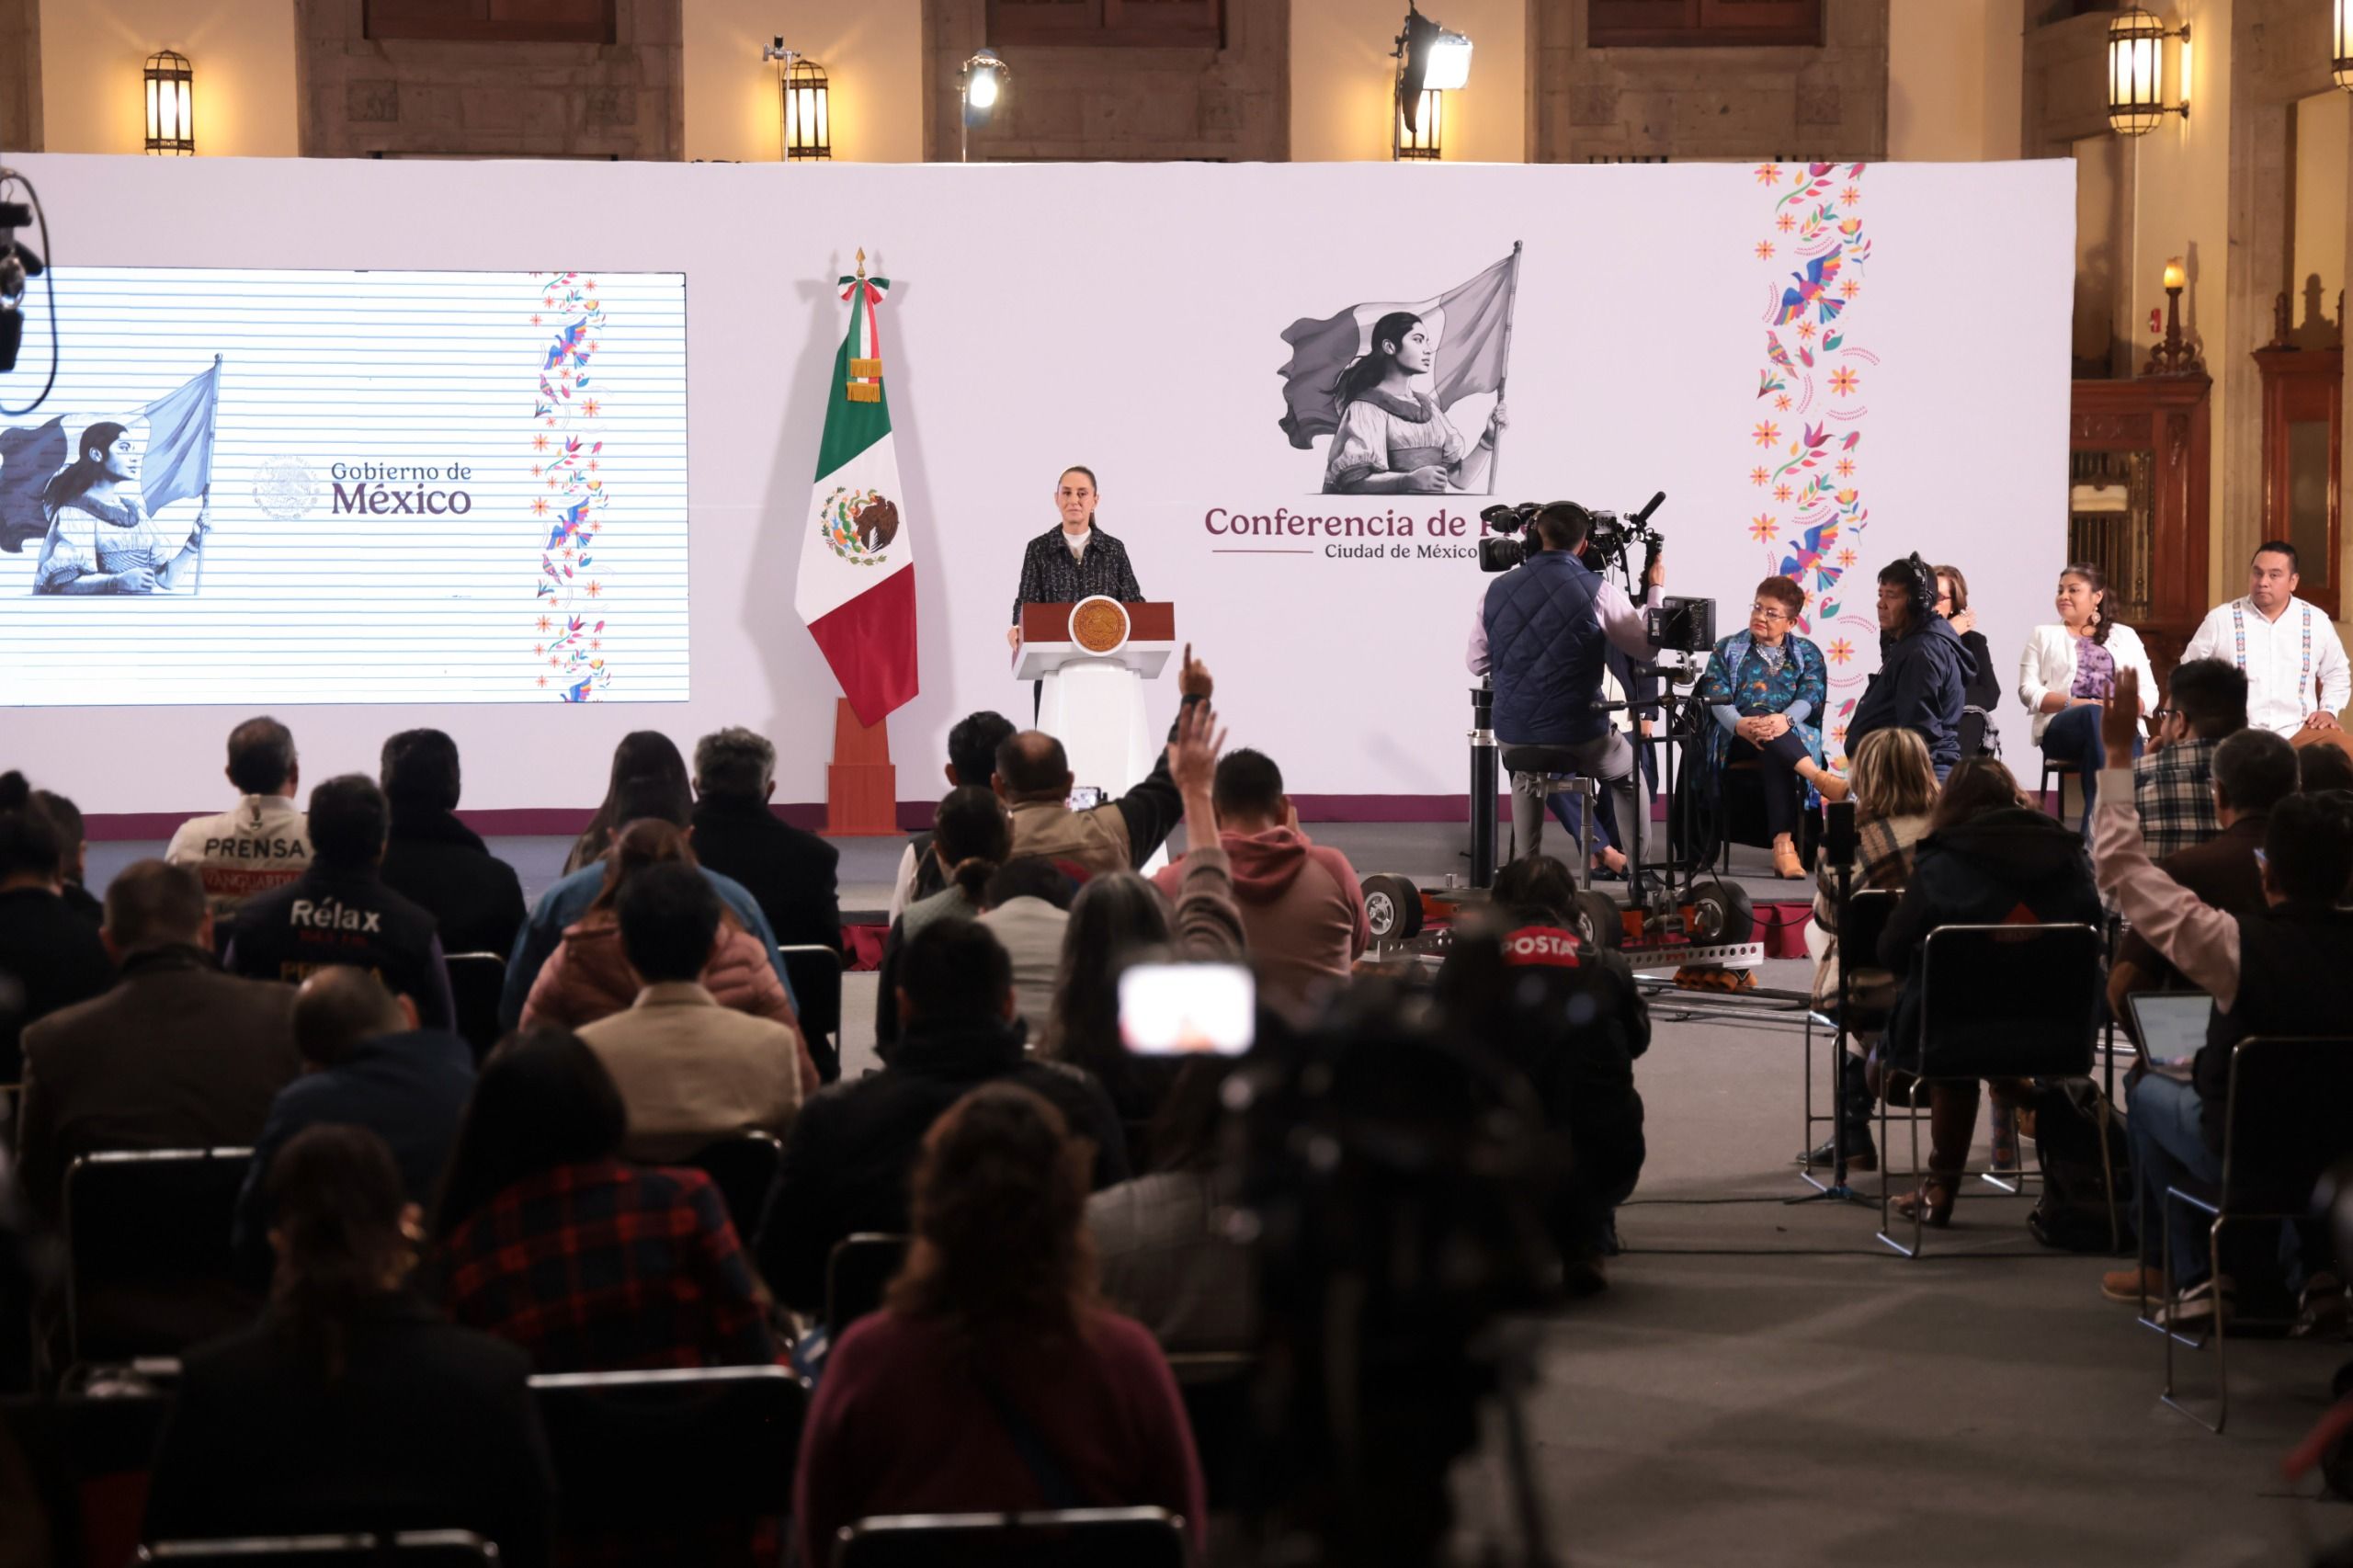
x=1766 y=688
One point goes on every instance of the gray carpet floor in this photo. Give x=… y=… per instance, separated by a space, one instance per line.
x=1765 y=1384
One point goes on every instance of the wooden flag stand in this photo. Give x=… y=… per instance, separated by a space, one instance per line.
x=861 y=787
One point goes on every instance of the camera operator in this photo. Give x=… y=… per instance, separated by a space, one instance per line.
x=1541 y=636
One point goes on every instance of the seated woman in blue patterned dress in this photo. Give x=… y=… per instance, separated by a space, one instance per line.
x=1765 y=688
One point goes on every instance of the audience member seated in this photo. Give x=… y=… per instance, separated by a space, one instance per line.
x=1982 y=692
x=691 y=1070
x=2067 y=675
x=1160 y=1238
x=72 y=854
x=992 y=1381
x=548 y=1238
x=790 y=874
x=565 y=904
x=365 y=1062
x=1568 y=1016
x=1120 y=918
x=971 y=760
x=1302 y=909
x=847 y=1163
x=1924 y=668
x=1989 y=859
x=261 y=846
x=643 y=756
x=1026 y=907
x=2253 y=771
x=177 y=1055
x=340 y=912
x=351 y=1406
x=1894 y=790
x=436 y=861
x=1033 y=776
x=2320 y=768
x=971 y=835
x=2283 y=970
x=1766 y=687
x=2170 y=783
x=589 y=978
x=50 y=957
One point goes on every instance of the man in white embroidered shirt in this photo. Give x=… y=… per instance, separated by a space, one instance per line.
x=2287 y=648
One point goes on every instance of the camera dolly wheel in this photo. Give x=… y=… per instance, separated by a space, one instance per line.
x=1392 y=908
x=1721 y=912
x=1598 y=922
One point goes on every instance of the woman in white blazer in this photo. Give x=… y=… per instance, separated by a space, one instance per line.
x=2069 y=672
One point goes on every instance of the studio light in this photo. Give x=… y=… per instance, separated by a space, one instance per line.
x=980 y=85
x=1431 y=59
x=1419 y=138
x=805 y=111
x=2340 y=32
x=171 y=103
x=2136 y=73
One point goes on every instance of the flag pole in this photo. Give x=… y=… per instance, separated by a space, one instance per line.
x=204 y=500
x=1511 y=303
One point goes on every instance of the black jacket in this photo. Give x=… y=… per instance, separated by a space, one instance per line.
x=1049 y=575
x=1982 y=688
x=853 y=1147
x=332 y=916
x=1922 y=685
x=792 y=875
x=50 y=958
x=2295 y=978
x=1984 y=872
x=431 y=1426
x=439 y=863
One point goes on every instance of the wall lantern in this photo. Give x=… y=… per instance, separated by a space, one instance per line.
x=171 y=104
x=2136 y=73
x=804 y=124
x=2340 y=32
x=980 y=85
x=1418 y=134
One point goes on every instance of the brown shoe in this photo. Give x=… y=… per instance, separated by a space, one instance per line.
x=2128 y=1285
x=1828 y=785
x=1786 y=864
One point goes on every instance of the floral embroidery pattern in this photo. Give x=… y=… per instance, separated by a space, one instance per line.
x=569 y=628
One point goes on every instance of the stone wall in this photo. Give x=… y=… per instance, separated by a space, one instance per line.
x=363 y=98
x=19 y=76
x=1788 y=103
x=1119 y=102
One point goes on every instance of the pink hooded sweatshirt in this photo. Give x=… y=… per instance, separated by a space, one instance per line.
x=1302 y=911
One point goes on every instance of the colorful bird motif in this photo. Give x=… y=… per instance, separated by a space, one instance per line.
x=1812 y=290
x=1810 y=553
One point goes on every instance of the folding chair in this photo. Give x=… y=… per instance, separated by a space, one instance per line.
x=409 y=1548
x=86 y=1458
x=2284 y=1124
x=2012 y=1001
x=1860 y=925
x=744 y=1168
x=815 y=972
x=641 y=1453
x=475 y=981
x=858 y=1271
x=1070 y=1538
x=2062 y=771
x=148 y=1270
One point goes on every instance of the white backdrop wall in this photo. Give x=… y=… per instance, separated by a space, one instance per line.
x=1130 y=318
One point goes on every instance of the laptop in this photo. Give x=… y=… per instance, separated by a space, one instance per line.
x=2171 y=1027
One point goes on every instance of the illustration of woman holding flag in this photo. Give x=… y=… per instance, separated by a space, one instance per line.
x=102 y=507
x=99 y=540
x=1395 y=439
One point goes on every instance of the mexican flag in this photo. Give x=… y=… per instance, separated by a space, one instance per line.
x=857 y=588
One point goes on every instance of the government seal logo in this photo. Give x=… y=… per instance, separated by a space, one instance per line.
x=286 y=488
x=859 y=525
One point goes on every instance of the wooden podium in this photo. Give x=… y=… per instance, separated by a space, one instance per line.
x=1093 y=657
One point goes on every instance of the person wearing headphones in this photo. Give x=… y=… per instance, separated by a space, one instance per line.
x=1924 y=670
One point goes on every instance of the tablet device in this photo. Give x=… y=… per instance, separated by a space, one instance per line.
x=2171 y=1025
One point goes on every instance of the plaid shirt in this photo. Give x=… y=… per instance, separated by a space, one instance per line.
x=2169 y=788
x=1049 y=575
x=609 y=1268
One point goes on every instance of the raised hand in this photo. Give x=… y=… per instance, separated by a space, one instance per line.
x=1193 y=676
x=1192 y=755
x=2119 y=721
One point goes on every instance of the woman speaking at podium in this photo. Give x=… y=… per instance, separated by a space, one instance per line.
x=1072 y=560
